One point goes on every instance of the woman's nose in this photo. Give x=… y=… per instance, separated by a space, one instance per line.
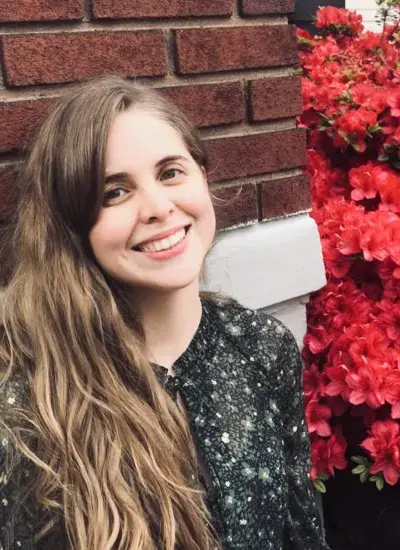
x=155 y=205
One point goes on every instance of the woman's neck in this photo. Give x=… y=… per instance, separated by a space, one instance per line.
x=170 y=320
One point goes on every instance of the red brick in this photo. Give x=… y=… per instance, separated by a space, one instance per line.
x=7 y=191
x=210 y=104
x=285 y=196
x=266 y=7
x=237 y=157
x=228 y=48
x=41 y=10
x=235 y=205
x=53 y=58
x=19 y=119
x=275 y=98
x=124 y=9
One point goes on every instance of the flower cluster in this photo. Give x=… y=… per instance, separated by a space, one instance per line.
x=351 y=83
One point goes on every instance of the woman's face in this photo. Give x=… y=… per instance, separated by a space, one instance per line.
x=157 y=222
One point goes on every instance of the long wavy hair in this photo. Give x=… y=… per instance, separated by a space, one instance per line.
x=117 y=464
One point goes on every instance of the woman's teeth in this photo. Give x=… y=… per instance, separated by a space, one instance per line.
x=163 y=244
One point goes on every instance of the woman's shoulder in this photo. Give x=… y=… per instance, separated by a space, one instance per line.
x=255 y=332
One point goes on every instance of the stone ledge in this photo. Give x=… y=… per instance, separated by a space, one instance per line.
x=267 y=263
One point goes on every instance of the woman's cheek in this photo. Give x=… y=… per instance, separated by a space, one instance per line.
x=112 y=230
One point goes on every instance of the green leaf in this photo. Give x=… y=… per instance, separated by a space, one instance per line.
x=327 y=120
x=378 y=480
x=350 y=75
x=383 y=158
x=359 y=469
x=360 y=460
x=320 y=486
x=374 y=129
x=346 y=96
x=364 y=476
x=344 y=136
x=322 y=476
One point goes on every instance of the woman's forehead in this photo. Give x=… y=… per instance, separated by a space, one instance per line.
x=137 y=136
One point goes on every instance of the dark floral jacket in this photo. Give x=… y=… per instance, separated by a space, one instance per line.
x=240 y=379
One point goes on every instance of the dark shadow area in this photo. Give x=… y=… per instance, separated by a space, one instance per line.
x=359 y=517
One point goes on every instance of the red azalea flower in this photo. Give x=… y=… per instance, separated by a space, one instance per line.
x=349 y=243
x=313 y=382
x=393 y=100
x=317 y=418
x=335 y=262
x=390 y=390
x=318 y=341
x=353 y=128
x=368 y=345
x=304 y=34
x=363 y=181
x=338 y=20
x=337 y=381
x=366 y=94
x=375 y=242
x=328 y=454
x=384 y=447
x=391 y=288
x=351 y=306
x=382 y=75
x=351 y=112
x=390 y=318
x=365 y=387
x=388 y=184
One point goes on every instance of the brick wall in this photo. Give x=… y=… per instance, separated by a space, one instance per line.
x=227 y=63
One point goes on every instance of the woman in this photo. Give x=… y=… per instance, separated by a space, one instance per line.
x=137 y=415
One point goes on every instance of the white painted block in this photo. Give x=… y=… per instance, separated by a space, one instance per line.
x=372 y=26
x=267 y=263
x=367 y=9
x=361 y=5
x=367 y=15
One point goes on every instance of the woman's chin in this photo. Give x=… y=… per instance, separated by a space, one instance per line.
x=177 y=282
x=169 y=282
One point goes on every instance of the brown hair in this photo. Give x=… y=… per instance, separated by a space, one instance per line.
x=115 y=453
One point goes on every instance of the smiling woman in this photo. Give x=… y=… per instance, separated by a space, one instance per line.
x=135 y=413
x=156 y=206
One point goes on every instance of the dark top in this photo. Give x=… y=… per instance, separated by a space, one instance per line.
x=240 y=380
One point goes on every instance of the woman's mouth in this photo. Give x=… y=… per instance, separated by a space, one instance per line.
x=164 y=244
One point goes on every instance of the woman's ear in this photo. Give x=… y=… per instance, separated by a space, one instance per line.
x=204 y=172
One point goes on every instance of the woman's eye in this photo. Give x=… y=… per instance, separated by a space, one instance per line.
x=113 y=195
x=169 y=174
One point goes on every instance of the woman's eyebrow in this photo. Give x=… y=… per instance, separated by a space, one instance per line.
x=169 y=158
x=124 y=176
x=117 y=177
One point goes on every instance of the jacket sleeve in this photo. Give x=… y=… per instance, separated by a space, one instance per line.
x=303 y=529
